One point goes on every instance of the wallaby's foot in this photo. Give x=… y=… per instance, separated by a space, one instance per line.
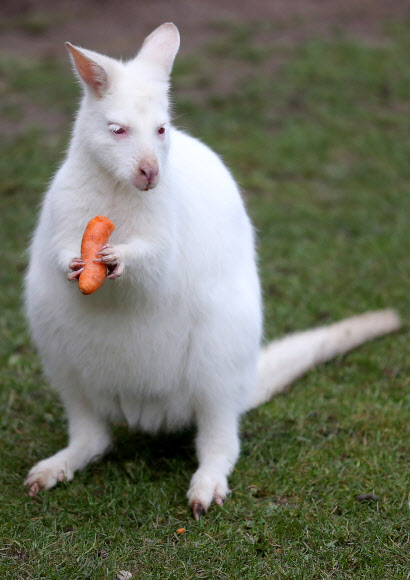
x=110 y=256
x=206 y=486
x=90 y=437
x=45 y=474
x=77 y=265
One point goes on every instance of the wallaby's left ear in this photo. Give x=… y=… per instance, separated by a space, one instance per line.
x=160 y=48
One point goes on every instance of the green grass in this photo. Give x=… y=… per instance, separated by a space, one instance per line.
x=321 y=151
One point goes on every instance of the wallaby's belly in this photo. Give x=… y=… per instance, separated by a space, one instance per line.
x=129 y=360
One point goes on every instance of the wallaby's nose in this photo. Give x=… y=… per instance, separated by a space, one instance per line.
x=148 y=174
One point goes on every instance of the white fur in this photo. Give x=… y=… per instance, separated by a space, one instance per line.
x=175 y=341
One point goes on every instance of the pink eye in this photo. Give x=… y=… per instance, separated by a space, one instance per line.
x=161 y=130
x=116 y=129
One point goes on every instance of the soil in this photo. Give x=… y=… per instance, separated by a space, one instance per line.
x=32 y=29
x=39 y=27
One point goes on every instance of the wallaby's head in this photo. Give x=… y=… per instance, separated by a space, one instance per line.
x=124 y=119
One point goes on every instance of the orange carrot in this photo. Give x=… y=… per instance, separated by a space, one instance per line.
x=181 y=531
x=96 y=235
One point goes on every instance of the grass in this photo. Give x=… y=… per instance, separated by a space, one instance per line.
x=321 y=151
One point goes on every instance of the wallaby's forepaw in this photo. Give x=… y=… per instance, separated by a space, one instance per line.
x=46 y=474
x=206 y=486
x=110 y=256
x=77 y=266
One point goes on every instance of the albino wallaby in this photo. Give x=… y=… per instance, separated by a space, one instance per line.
x=173 y=339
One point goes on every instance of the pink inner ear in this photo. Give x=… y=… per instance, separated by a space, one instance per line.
x=92 y=73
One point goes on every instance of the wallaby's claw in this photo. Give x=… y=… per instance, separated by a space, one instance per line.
x=109 y=256
x=77 y=265
x=116 y=272
x=35 y=488
x=197 y=510
x=74 y=275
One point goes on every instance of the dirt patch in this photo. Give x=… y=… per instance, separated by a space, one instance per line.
x=233 y=34
x=40 y=27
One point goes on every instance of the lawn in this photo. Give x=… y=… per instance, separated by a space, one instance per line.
x=321 y=150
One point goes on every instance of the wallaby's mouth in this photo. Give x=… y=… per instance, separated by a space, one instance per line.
x=142 y=184
x=148 y=188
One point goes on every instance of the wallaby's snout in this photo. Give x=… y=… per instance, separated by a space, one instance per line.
x=147 y=174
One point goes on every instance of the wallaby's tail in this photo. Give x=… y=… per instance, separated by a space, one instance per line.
x=283 y=361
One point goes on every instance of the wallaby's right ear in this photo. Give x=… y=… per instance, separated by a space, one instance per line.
x=91 y=72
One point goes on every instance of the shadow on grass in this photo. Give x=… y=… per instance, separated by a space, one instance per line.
x=158 y=454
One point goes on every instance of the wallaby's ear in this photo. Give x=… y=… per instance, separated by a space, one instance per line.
x=91 y=72
x=160 y=48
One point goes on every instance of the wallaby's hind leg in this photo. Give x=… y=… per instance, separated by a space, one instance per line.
x=217 y=446
x=89 y=438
